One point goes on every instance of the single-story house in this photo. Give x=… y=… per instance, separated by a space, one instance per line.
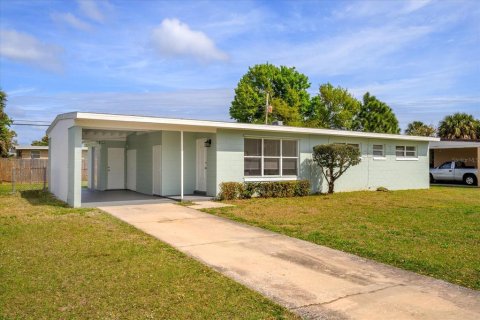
x=31 y=152
x=467 y=151
x=177 y=157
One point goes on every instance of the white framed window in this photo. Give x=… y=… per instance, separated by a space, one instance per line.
x=35 y=154
x=264 y=157
x=406 y=152
x=378 y=151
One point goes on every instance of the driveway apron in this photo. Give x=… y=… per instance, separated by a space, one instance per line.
x=313 y=281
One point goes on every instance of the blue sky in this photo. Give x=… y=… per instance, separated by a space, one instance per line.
x=184 y=58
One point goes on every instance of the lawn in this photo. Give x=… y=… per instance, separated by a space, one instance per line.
x=63 y=263
x=434 y=232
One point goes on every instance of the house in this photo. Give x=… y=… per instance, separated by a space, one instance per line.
x=177 y=157
x=467 y=151
x=31 y=152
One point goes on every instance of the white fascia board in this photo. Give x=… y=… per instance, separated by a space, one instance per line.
x=117 y=120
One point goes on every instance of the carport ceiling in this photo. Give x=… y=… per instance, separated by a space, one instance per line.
x=101 y=135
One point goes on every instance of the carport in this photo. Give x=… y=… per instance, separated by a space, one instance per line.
x=467 y=151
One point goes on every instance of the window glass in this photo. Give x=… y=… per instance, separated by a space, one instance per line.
x=289 y=148
x=446 y=165
x=378 y=150
x=35 y=154
x=289 y=167
x=400 y=151
x=355 y=145
x=271 y=148
x=253 y=147
x=253 y=166
x=271 y=167
x=411 y=151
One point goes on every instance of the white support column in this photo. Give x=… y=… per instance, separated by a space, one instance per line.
x=74 y=167
x=181 y=165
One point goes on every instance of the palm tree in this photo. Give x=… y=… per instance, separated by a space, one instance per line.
x=458 y=126
x=418 y=128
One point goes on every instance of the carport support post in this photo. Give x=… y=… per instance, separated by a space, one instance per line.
x=478 y=167
x=181 y=165
x=74 y=166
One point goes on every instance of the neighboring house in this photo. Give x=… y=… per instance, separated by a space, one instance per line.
x=467 y=151
x=174 y=157
x=31 y=152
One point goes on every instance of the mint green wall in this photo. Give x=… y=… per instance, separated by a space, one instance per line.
x=369 y=174
x=143 y=144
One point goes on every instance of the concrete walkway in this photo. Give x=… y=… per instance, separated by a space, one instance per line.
x=313 y=281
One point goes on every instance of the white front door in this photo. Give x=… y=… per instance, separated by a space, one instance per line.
x=201 y=182
x=157 y=170
x=116 y=168
x=132 y=169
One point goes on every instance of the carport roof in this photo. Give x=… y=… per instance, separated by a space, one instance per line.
x=117 y=120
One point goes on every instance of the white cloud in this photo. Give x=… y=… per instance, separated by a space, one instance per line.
x=91 y=10
x=173 y=38
x=414 y=5
x=71 y=20
x=23 y=47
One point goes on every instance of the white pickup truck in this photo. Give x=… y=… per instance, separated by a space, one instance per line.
x=454 y=171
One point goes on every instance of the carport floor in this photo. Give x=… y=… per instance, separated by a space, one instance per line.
x=92 y=198
x=313 y=281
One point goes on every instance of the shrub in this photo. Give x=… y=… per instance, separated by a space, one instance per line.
x=275 y=189
x=231 y=190
x=382 y=189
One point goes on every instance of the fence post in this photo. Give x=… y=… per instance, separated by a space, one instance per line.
x=44 y=179
x=13 y=179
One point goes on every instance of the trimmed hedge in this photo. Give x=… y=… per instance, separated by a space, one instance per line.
x=274 y=189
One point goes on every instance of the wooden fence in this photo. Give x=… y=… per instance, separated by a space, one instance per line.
x=28 y=170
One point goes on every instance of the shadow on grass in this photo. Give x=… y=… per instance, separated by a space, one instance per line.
x=41 y=198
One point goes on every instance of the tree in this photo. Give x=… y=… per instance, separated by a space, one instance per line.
x=334 y=160
x=418 y=128
x=333 y=108
x=41 y=142
x=458 y=126
x=376 y=116
x=6 y=135
x=286 y=88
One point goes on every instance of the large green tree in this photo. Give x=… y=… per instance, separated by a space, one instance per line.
x=287 y=90
x=6 y=134
x=333 y=108
x=418 y=128
x=458 y=126
x=41 y=142
x=376 y=116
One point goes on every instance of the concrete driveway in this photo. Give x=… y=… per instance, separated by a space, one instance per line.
x=313 y=281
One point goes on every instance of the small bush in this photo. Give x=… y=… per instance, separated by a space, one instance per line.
x=382 y=189
x=231 y=190
x=274 y=189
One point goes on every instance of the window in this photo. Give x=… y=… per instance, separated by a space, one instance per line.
x=35 y=154
x=378 y=150
x=270 y=157
x=406 y=151
x=446 y=165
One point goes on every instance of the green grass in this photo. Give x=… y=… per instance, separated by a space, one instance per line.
x=63 y=263
x=434 y=232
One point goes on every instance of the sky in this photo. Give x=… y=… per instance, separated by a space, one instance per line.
x=184 y=58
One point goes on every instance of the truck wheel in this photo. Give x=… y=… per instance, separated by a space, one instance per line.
x=431 y=178
x=470 y=179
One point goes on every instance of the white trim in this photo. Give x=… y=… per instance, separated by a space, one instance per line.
x=406 y=159
x=379 y=158
x=181 y=165
x=120 y=120
x=269 y=178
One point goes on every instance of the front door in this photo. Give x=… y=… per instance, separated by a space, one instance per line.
x=201 y=183
x=116 y=168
